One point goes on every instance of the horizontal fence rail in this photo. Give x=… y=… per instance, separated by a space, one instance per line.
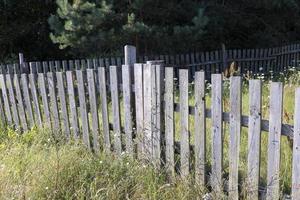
x=132 y=109
x=262 y=61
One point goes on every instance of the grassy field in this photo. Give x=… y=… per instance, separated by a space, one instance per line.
x=38 y=166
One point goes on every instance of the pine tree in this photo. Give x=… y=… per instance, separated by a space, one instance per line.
x=82 y=25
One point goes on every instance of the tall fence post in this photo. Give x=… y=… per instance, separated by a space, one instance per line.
x=130 y=54
x=224 y=56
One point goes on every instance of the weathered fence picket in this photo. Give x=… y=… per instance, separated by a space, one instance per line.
x=217 y=134
x=169 y=119
x=254 y=138
x=235 y=132
x=93 y=108
x=83 y=108
x=115 y=109
x=200 y=128
x=184 y=123
x=104 y=108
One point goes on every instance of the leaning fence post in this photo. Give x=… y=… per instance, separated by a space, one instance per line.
x=224 y=56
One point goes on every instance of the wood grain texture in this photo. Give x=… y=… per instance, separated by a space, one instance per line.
x=254 y=133
x=217 y=134
x=35 y=100
x=72 y=105
x=12 y=99
x=93 y=109
x=6 y=100
x=139 y=108
x=20 y=102
x=296 y=149
x=127 y=99
x=276 y=98
x=53 y=102
x=115 y=109
x=169 y=120
x=104 y=109
x=184 y=123
x=63 y=104
x=44 y=95
x=235 y=135
x=200 y=128
x=26 y=95
x=147 y=89
x=83 y=109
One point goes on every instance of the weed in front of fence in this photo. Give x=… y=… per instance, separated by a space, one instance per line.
x=37 y=165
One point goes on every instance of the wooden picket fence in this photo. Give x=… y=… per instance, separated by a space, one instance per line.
x=254 y=61
x=83 y=104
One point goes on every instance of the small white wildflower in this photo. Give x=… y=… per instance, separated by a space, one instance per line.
x=46 y=188
x=48 y=140
x=101 y=161
x=127 y=163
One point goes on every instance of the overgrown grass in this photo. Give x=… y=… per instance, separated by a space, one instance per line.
x=37 y=165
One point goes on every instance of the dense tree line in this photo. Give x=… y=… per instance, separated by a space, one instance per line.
x=72 y=28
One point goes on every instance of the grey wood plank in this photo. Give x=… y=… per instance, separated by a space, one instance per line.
x=2 y=112
x=296 y=149
x=26 y=95
x=276 y=98
x=115 y=109
x=127 y=98
x=169 y=120
x=72 y=105
x=234 y=135
x=104 y=109
x=53 y=102
x=158 y=96
x=83 y=109
x=93 y=109
x=200 y=128
x=44 y=95
x=20 y=103
x=254 y=133
x=217 y=134
x=139 y=108
x=147 y=89
x=5 y=100
x=63 y=104
x=184 y=123
x=35 y=100
x=12 y=99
